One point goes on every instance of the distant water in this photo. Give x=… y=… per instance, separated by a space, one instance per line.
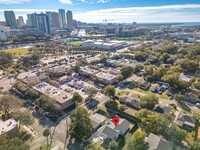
x=188 y=24
x=173 y=24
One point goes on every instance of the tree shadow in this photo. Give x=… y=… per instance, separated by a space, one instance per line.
x=74 y=144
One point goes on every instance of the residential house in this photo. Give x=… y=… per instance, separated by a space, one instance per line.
x=186 y=120
x=10 y=127
x=131 y=101
x=110 y=132
x=192 y=96
x=158 y=143
x=144 y=85
x=163 y=109
x=96 y=120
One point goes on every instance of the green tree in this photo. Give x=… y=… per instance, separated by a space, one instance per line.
x=9 y=103
x=5 y=59
x=48 y=104
x=110 y=91
x=113 y=145
x=80 y=124
x=179 y=98
x=138 y=139
x=77 y=98
x=95 y=146
x=150 y=121
x=195 y=146
x=46 y=134
x=149 y=101
x=175 y=134
x=91 y=92
x=12 y=143
x=126 y=72
x=24 y=118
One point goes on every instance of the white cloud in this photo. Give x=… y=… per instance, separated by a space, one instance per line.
x=66 y=1
x=167 y=13
x=103 y=1
x=13 y=1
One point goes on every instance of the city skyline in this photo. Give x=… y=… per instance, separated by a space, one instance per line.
x=119 y=11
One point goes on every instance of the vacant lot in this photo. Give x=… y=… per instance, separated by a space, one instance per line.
x=17 y=51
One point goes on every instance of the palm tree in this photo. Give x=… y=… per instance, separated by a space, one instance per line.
x=46 y=134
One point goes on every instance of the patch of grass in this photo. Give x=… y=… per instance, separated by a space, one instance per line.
x=143 y=91
x=135 y=95
x=190 y=137
x=121 y=93
x=17 y=51
x=164 y=96
x=76 y=43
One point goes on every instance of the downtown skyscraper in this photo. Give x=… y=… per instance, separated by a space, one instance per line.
x=42 y=23
x=69 y=20
x=62 y=18
x=10 y=19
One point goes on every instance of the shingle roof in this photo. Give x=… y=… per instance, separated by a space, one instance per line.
x=185 y=117
x=163 y=109
x=110 y=132
x=158 y=143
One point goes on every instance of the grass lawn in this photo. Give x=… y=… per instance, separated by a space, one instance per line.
x=142 y=91
x=135 y=95
x=164 y=96
x=17 y=51
x=76 y=43
x=121 y=93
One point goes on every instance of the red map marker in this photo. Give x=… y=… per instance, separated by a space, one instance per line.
x=115 y=120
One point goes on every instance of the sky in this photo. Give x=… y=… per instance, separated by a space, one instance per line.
x=115 y=11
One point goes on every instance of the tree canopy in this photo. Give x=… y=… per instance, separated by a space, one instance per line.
x=149 y=102
x=12 y=143
x=80 y=124
x=110 y=91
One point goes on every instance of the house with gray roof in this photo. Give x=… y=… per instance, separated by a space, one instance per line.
x=158 y=143
x=110 y=131
x=96 y=120
x=186 y=120
x=161 y=109
x=131 y=101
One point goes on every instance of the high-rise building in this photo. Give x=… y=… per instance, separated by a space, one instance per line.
x=75 y=25
x=53 y=19
x=31 y=22
x=10 y=19
x=69 y=20
x=20 y=21
x=42 y=23
x=62 y=18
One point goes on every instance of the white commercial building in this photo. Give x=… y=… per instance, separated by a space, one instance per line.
x=4 y=32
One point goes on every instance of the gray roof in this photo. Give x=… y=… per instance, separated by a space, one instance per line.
x=111 y=134
x=123 y=125
x=94 y=123
x=185 y=117
x=163 y=109
x=158 y=143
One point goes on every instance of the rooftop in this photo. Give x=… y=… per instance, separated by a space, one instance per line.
x=55 y=93
x=105 y=76
x=7 y=125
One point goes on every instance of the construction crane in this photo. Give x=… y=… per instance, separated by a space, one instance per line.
x=106 y=20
